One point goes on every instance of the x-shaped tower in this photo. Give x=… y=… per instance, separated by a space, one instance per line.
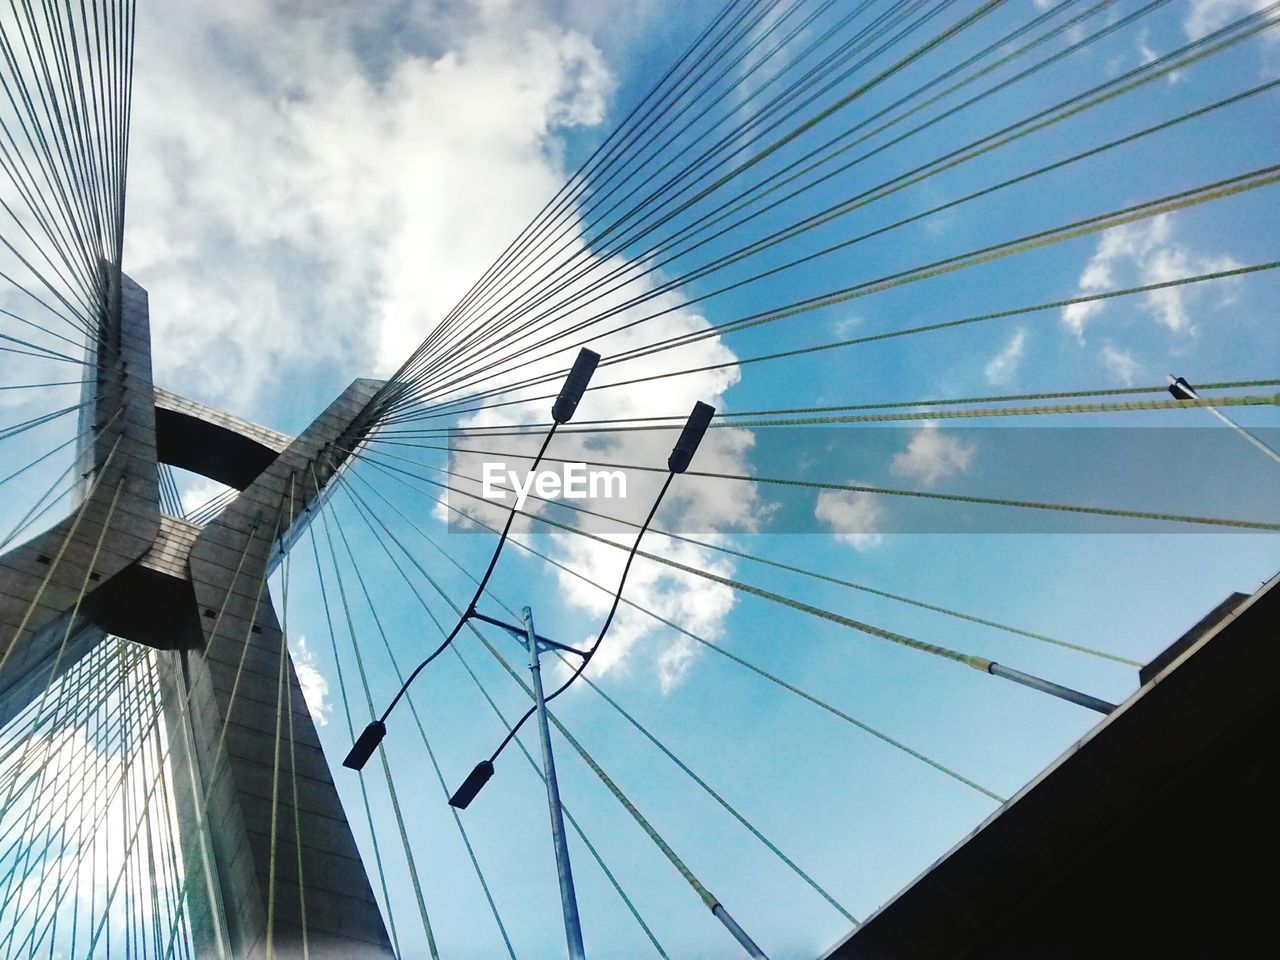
x=197 y=593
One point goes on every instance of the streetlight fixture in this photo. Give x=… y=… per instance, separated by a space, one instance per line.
x=575 y=385
x=687 y=443
x=362 y=750
x=678 y=462
x=364 y=746
x=535 y=644
x=1181 y=390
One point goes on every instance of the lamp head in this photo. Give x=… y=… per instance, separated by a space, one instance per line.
x=1180 y=389
x=690 y=437
x=472 y=785
x=575 y=385
x=363 y=748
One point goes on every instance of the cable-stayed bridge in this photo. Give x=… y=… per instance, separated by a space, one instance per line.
x=166 y=791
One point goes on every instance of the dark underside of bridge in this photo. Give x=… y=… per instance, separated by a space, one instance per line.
x=1156 y=835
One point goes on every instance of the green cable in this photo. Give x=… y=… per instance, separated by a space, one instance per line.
x=720 y=800
x=1116 y=406
x=662 y=845
x=568 y=816
x=102 y=923
x=386 y=769
x=57 y=559
x=703 y=893
x=1178 y=201
x=351 y=733
x=275 y=781
x=1092 y=651
x=1079 y=648
x=413 y=709
x=915 y=754
x=720 y=548
x=1206 y=193
x=925 y=495
x=434 y=413
x=521 y=429
x=1057 y=395
x=693 y=776
x=678 y=762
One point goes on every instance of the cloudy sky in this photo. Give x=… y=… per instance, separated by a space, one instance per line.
x=314 y=187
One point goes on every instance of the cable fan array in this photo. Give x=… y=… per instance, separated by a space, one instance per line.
x=809 y=215
x=798 y=159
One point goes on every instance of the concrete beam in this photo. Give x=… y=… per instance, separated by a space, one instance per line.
x=212 y=442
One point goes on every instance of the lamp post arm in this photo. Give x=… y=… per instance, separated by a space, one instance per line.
x=604 y=629
x=470 y=610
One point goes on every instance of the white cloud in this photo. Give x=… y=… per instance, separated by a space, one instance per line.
x=1147 y=54
x=845 y=326
x=315 y=688
x=1205 y=16
x=315 y=186
x=767 y=59
x=697 y=605
x=304 y=199
x=1119 y=363
x=197 y=492
x=1003 y=367
x=855 y=518
x=1139 y=254
x=858 y=517
x=932 y=455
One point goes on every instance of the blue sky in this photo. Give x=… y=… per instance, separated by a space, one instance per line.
x=311 y=192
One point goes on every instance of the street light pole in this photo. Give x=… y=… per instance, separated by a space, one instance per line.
x=568 y=899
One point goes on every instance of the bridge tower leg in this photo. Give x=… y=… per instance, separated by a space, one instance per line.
x=199 y=595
